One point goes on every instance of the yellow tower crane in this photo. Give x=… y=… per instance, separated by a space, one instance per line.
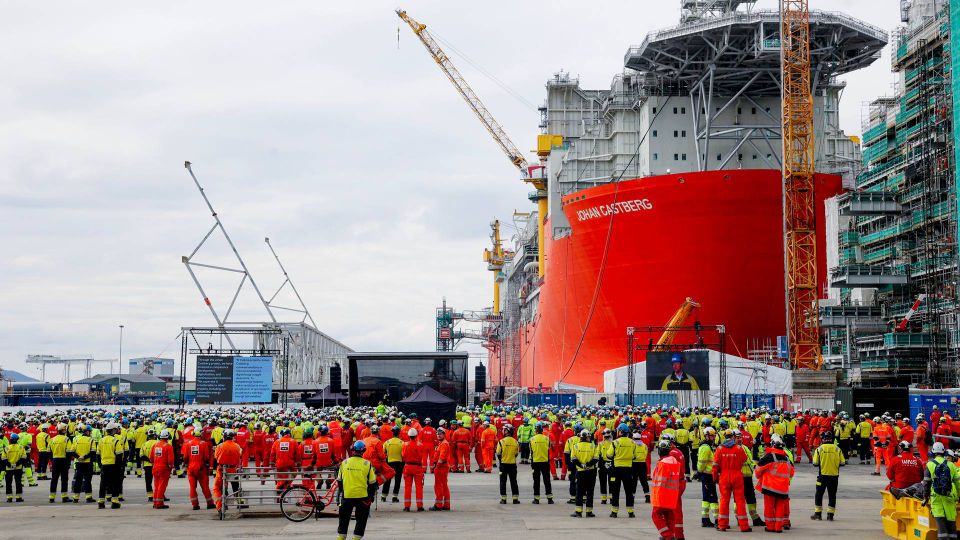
x=672 y=327
x=539 y=181
x=495 y=259
x=799 y=207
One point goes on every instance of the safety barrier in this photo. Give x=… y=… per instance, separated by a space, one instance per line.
x=258 y=488
x=907 y=518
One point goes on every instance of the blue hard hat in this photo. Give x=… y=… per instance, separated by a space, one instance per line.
x=676 y=357
x=623 y=427
x=14 y=437
x=359 y=447
x=169 y=422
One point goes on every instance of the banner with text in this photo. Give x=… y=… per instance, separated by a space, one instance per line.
x=234 y=379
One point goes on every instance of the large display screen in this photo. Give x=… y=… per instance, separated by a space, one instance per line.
x=686 y=370
x=234 y=379
x=382 y=378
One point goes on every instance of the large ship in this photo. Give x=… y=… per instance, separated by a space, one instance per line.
x=665 y=186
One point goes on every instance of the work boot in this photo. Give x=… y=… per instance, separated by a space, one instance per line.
x=875 y=473
x=435 y=509
x=383 y=498
x=211 y=506
x=516 y=500
x=101 y=505
x=817 y=516
x=757 y=522
x=646 y=498
x=829 y=516
x=705 y=523
x=630 y=514
x=503 y=500
x=420 y=509
x=536 y=501
x=115 y=506
x=576 y=514
x=196 y=507
x=395 y=499
x=549 y=500
x=613 y=515
x=19 y=498
x=590 y=513
x=571 y=500
x=10 y=498
x=406 y=509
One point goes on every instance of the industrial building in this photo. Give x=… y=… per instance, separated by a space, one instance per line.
x=892 y=318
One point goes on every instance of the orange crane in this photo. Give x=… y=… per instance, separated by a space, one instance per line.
x=544 y=143
x=672 y=327
x=799 y=209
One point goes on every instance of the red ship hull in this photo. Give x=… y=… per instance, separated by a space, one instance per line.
x=714 y=236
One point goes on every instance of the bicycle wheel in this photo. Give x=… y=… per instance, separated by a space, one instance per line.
x=297 y=503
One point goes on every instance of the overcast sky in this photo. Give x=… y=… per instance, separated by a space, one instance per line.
x=305 y=122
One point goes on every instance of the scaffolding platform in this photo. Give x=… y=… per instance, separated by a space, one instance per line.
x=862 y=275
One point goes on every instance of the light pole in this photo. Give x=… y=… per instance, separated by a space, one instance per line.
x=120 y=360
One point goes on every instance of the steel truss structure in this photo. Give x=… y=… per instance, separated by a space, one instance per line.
x=720 y=57
x=643 y=339
x=309 y=353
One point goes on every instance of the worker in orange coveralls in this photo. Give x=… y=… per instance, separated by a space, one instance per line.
x=883 y=439
x=257 y=445
x=728 y=461
x=412 y=470
x=377 y=456
x=283 y=456
x=161 y=456
x=667 y=477
x=921 y=436
x=774 y=472
x=196 y=452
x=441 y=468
x=227 y=456
x=488 y=442
x=463 y=442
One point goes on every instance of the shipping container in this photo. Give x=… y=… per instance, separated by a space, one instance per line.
x=752 y=401
x=596 y=399
x=924 y=403
x=537 y=400
x=654 y=399
x=872 y=401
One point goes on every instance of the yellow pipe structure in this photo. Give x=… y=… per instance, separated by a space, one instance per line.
x=496 y=292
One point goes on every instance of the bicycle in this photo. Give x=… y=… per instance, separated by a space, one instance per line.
x=298 y=502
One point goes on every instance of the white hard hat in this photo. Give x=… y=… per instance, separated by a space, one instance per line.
x=164 y=433
x=412 y=433
x=776 y=439
x=938 y=448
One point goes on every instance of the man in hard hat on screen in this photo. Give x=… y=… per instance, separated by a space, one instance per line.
x=679 y=379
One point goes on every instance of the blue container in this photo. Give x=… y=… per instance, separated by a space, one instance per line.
x=664 y=399
x=557 y=400
x=923 y=403
x=751 y=401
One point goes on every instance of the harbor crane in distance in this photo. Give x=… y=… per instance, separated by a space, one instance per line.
x=799 y=208
x=533 y=175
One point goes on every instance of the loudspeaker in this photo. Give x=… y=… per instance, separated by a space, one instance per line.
x=480 y=375
x=501 y=393
x=335 y=385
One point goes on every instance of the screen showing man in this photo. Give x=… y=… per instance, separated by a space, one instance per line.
x=687 y=370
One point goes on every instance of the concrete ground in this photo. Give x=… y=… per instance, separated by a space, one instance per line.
x=476 y=515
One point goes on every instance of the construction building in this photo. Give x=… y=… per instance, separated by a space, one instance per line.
x=893 y=315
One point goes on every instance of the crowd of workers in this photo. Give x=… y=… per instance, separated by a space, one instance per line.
x=732 y=455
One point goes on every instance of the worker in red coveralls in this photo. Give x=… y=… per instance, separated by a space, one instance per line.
x=647 y=436
x=428 y=440
x=243 y=440
x=323 y=445
x=906 y=431
x=666 y=496
x=774 y=472
x=441 y=468
x=556 y=453
x=476 y=432
x=283 y=456
x=728 y=460
x=161 y=456
x=883 y=439
x=227 y=456
x=488 y=442
x=197 y=455
x=561 y=443
x=307 y=458
x=463 y=443
x=347 y=435
x=412 y=471
x=923 y=438
x=256 y=444
x=803 y=440
x=677 y=454
x=905 y=469
x=935 y=416
x=269 y=438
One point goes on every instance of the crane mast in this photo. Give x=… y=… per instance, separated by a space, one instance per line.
x=452 y=73
x=800 y=236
